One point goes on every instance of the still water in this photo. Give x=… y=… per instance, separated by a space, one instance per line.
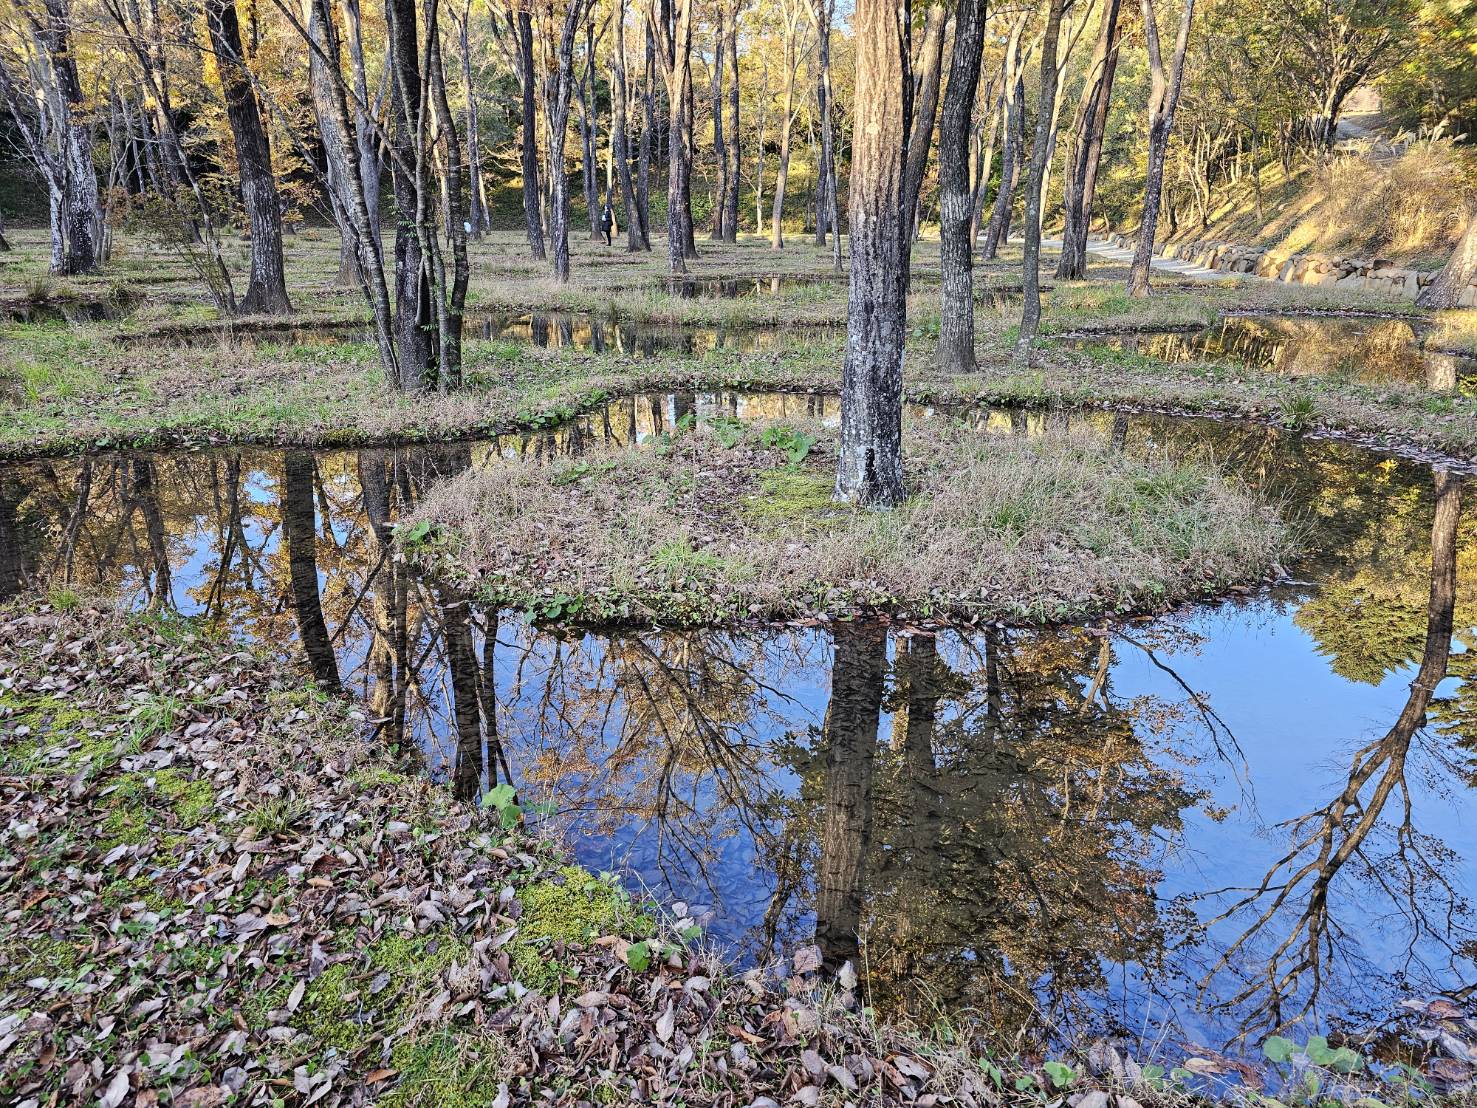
x=1366 y=349
x=1243 y=816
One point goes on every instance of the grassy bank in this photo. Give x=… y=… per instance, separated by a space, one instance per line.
x=729 y=520
x=216 y=892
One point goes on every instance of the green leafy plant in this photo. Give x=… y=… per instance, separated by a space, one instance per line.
x=727 y=430
x=796 y=444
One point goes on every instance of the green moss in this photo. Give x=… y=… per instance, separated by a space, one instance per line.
x=38 y=956
x=190 y=800
x=448 y=1068
x=571 y=909
x=792 y=495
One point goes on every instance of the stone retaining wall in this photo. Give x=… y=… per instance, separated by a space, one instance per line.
x=1371 y=274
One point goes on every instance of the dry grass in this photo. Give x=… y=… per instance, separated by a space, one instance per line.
x=997 y=526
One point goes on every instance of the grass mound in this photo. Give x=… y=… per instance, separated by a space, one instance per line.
x=731 y=521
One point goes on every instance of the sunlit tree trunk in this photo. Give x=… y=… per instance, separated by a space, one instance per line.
x=675 y=47
x=925 y=74
x=80 y=211
x=1460 y=270
x=557 y=102
x=266 y=288
x=1164 y=97
x=1040 y=152
x=829 y=220
x=956 y=207
x=791 y=16
x=621 y=139
x=720 y=153
x=869 y=464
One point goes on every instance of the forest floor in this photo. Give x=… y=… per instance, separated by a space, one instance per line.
x=169 y=372
x=217 y=892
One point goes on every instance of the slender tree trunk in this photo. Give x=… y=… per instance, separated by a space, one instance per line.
x=956 y=257
x=1010 y=160
x=720 y=154
x=677 y=48
x=1082 y=164
x=476 y=215
x=828 y=217
x=787 y=126
x=557 y=105
x=731 y=176
x=1040 y=153
x=529 y=145
x=4 y=242
x=924 y=102
x=1163 y=99
x=414 y=339
x=648 y=133
x=589 y=128
x=365 y=130
x=266 y=289
x=620 y=137
x=869 y=464
x=1460 y=270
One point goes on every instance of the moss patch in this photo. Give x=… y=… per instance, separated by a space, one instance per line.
x=569 y=910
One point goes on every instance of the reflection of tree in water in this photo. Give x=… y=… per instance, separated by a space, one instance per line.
x=998 y=847
x=1291 y=941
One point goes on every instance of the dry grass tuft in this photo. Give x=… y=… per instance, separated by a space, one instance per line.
x=997 y=526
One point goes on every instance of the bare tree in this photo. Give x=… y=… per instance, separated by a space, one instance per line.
x=731 y=177
x=822 y=13
x=266 y=286
x=869 y=463
x=557 y=96
x=1013 y=109
x=620 y=94
x=720 y=138
x=1164 y=97
x=956 y=206
x=925 y=71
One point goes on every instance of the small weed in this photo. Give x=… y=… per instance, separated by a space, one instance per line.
x=1297 y=412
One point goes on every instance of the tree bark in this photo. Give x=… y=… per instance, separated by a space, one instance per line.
x=589 y=128
x=926 y=76
x=829 y=216
x=956 y=207
x=1164 y=97
x=1040 y=152
x=787 y=123
x=676 y=49
x=80 y=213
x=869 y=465
x=529 y=145
x=648 y=134
x=557 y=102
x=720 y=153
x=1456 y=275
x=266 y=288
x=1089 y=129
x=731 y=177
x=1010 y=161
x=620 y=137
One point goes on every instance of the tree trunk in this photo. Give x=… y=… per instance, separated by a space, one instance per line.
x=365 y=129
x=476 y=215
x=829 y=204
x=1089 y=128
x=648 y=132
x=1040 y=152
x=1163 y=99
x=529 y=145
x=1459 y=272
x=1010 y=161
x=677 y=43
x=620 y=137
x=589 y=128
x=858 y=676
x=413 y=332
x=869 y=464
x=266 y=289
x=81 y=213
x=787 y=121
x=924 y=105
x=731 y=177
x=720 y=153
x=557 y=102
x=956 y=257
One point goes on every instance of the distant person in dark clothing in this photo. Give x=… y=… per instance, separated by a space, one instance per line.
x=607 y=221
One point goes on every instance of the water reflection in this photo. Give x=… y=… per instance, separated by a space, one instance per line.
x=1211 y=824
x=581 y=332
x=1367 y=350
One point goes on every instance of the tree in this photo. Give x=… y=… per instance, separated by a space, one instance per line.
x=731 y=176
x=869 y=463
x=790 y=12
x=1456 y=275
x=57 y=137
x=1164 y=95
x=921 y=97
x=1088 y=130
x=956 y=200
x=821 y=14
x=674 y=44
x=1040 y=152
x=528 y=136
x=557 y=98
x=266 y=287
x=636 y=238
